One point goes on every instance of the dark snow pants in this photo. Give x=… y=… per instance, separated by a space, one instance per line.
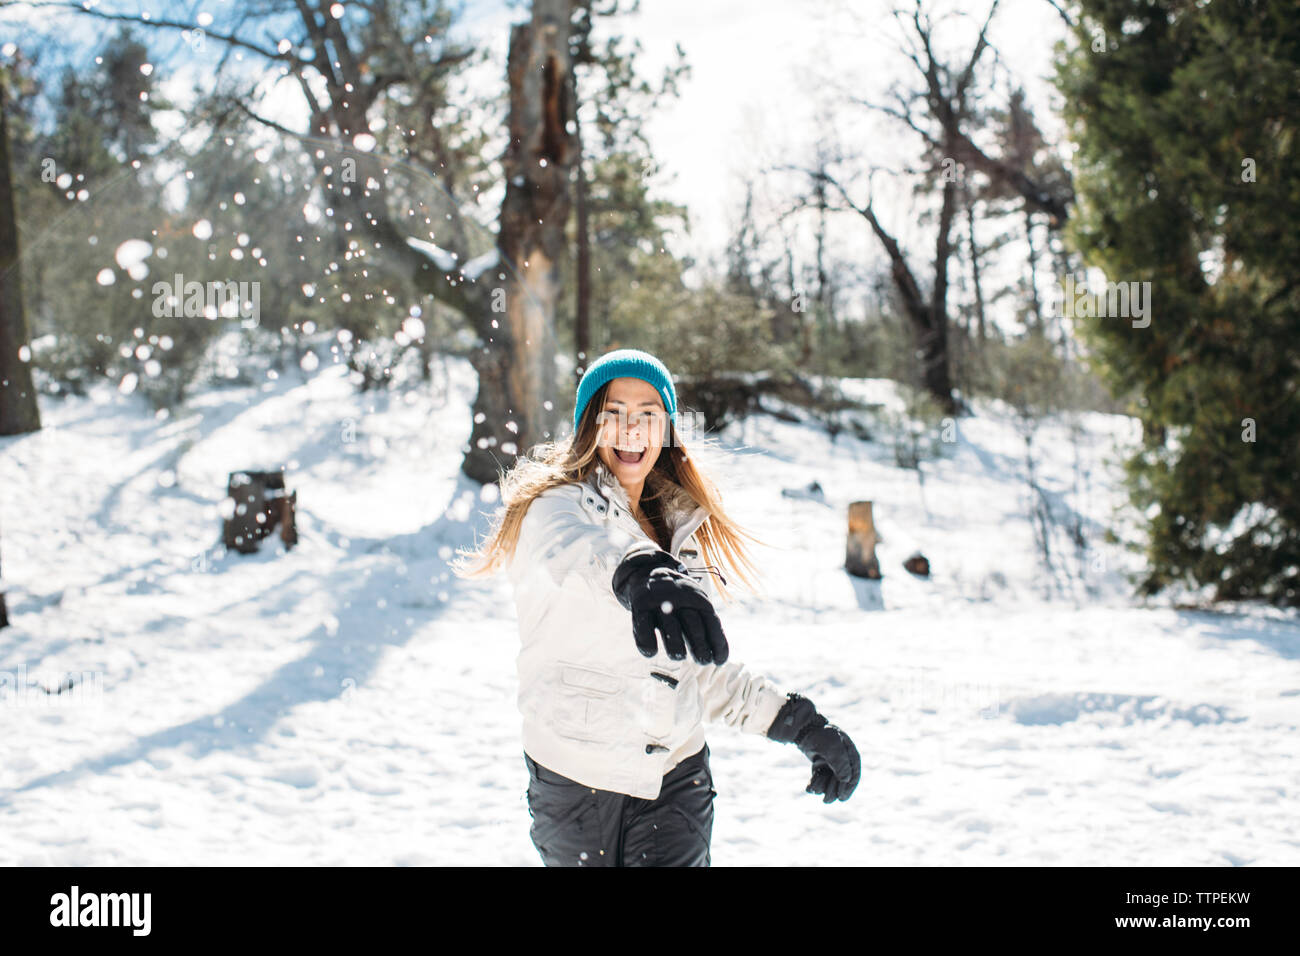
x=575 y=825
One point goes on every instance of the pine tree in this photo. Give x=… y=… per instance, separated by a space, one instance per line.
x=1187 y=118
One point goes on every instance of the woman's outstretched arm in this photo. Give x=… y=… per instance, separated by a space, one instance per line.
x=738 y=698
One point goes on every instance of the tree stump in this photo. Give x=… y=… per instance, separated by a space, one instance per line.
x=288 y=525
x=261 y=504
x=861 y=558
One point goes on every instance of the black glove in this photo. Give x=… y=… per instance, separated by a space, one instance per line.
x=646 y=583
x=836 y=764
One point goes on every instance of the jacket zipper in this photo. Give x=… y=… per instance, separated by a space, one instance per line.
x=631 y=523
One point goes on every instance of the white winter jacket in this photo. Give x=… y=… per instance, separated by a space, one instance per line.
x=595 y=709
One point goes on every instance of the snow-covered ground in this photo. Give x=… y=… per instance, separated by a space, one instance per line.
x=351 y=702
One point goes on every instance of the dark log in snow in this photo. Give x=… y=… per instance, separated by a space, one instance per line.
x=918 y=564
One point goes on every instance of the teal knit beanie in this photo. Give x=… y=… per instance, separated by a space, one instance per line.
x=625 y=363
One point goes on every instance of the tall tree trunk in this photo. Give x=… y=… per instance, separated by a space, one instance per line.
x=975 y=265
x=928 y=319
x=582 y=312
x=517 y=367
x=790 y=319
x=513 y=360
x=18 y=411
x=1033 y=270
x=1061 y=267
x=936 y=368
x=822 y=312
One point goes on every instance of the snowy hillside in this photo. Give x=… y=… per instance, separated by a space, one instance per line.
x=351 y=702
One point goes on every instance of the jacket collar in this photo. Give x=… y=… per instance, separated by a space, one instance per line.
x=603 y=480
x=682 y=512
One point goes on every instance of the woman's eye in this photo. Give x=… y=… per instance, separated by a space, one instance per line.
x=646 y=418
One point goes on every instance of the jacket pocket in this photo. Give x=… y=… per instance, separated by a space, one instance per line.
x=661 y=703
x=587 y=704
x=690 y=705
x=599 y=683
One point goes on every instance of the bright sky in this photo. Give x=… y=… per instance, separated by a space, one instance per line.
x=766 y=77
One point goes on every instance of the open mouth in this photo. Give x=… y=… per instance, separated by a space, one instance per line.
x=629 y=457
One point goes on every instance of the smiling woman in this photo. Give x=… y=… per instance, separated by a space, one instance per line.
x=633 y=426
x=609 y=536
x=618 y=406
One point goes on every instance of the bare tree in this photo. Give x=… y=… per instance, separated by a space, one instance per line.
x=538 y=166
x=515 y=360
x=945 y=99
x=18 y=410
x=19 y=413
x=941 y=110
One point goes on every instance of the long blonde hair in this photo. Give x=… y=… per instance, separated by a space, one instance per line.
x=572 y=459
